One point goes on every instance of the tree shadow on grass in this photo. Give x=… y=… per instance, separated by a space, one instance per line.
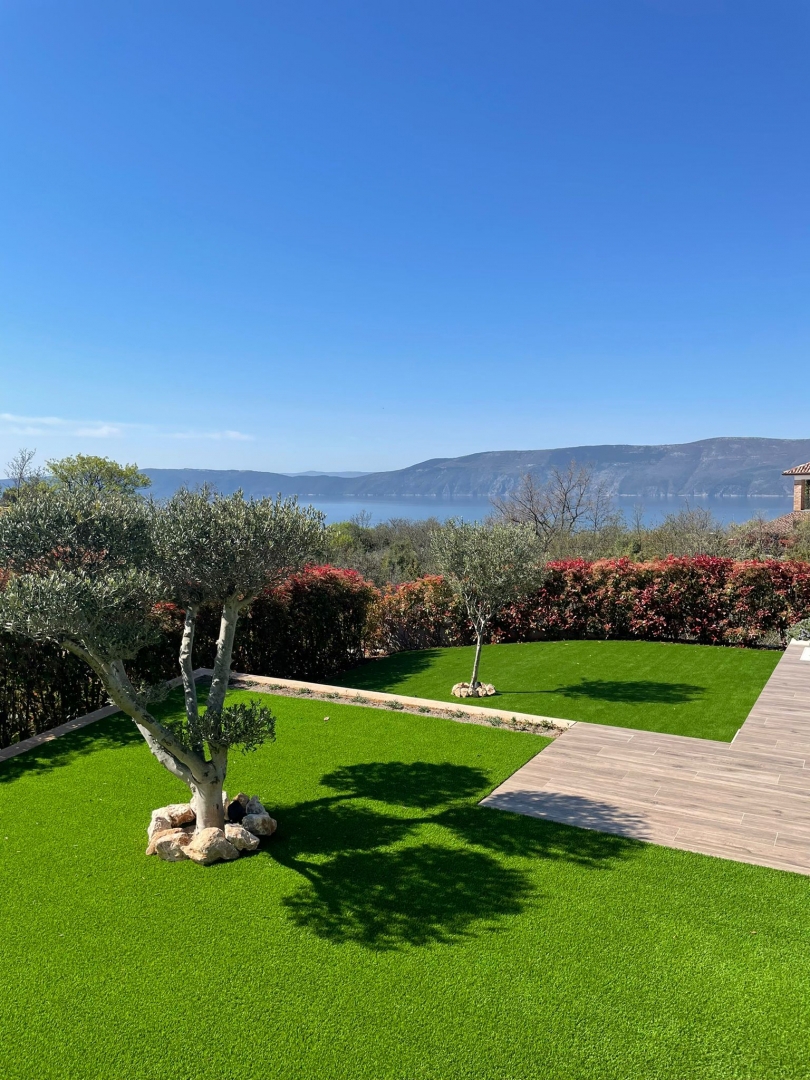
x=419 y=784
x=343 y=822
x=381 y=892
x=410 y=896
x=112 y=733
x=629 y=692
x=386 y=673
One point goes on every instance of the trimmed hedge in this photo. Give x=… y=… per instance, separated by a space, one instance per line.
x=41 y=686
x=701 y=599
x=310 y=627
x=421 y=614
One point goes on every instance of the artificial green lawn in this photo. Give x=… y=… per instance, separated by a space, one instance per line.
x=705 y=691
x=391 y=930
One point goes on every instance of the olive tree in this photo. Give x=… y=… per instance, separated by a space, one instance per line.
x=487 y=566
x=86 y=572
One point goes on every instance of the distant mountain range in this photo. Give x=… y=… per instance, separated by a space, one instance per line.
x=315 y=472
x=710 y=467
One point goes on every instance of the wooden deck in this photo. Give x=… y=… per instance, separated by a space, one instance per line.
x=747 y=800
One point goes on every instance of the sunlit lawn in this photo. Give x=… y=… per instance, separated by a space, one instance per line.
x=391 y=929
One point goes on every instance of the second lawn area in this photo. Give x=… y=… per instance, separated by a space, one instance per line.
x=703 y=691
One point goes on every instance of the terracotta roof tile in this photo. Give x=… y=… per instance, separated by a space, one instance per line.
x=798 y=470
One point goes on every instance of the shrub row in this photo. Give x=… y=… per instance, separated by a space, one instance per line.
x=310 y=627
x=702 y=599
x=323 y=620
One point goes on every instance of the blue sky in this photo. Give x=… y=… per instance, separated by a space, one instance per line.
x=355 y=235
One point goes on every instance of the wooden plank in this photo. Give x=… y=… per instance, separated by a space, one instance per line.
x=748 y=801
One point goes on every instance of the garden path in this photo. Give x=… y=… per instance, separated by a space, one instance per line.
x=748 y=800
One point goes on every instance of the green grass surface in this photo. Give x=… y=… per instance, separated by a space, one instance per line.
x=700 y=690
x=392 y=930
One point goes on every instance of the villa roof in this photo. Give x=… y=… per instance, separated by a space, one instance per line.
x=798 y=470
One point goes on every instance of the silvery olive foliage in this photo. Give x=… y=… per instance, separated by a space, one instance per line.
x=107 y=614
x=209 y=548
x=51 y=528
x=488 y=566
x=86 y=570
x=80 y=571
x=245 y=724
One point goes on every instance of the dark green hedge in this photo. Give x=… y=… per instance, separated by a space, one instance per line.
x=310 y=627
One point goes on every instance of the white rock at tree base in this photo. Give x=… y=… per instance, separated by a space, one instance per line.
x=242 y=799
x=157 y=826
x=210 y=846
x=170 y=817
x=171 y=845
x=259 y=824
x=150 y=847
x=241 y=839
x=464 y=690
x=253 y=806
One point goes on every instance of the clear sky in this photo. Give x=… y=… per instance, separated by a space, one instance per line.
x=330 y=234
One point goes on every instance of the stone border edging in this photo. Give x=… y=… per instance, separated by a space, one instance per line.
x=54 y=733
x=376 y=697
x=79 y=722
x=371 y=698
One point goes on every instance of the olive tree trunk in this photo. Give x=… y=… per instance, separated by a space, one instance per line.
x=208 y=804
x=203 y=777
x=479 y=640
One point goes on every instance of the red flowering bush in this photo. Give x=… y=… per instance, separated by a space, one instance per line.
x=702 y=598
x=421 y=614
x=766 y=598
x=311 y=626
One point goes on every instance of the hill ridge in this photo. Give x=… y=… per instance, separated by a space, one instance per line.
x=725 y=466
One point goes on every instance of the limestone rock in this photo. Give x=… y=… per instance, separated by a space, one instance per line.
x=242 y=799
x=464 y=690
x=209 y=846
x=157 y=825
x=186 y=830
x=171 y=846
x=259 y=824
x=150 y=847
x=241 y=839
x=170 y=817
x=253 y=806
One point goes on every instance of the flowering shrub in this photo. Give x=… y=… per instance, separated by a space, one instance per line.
x=704 y=599
x=421 y=614
x=309 y=627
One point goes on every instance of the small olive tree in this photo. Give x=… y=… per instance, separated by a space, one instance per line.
x=87 y=571
x=487 y=566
